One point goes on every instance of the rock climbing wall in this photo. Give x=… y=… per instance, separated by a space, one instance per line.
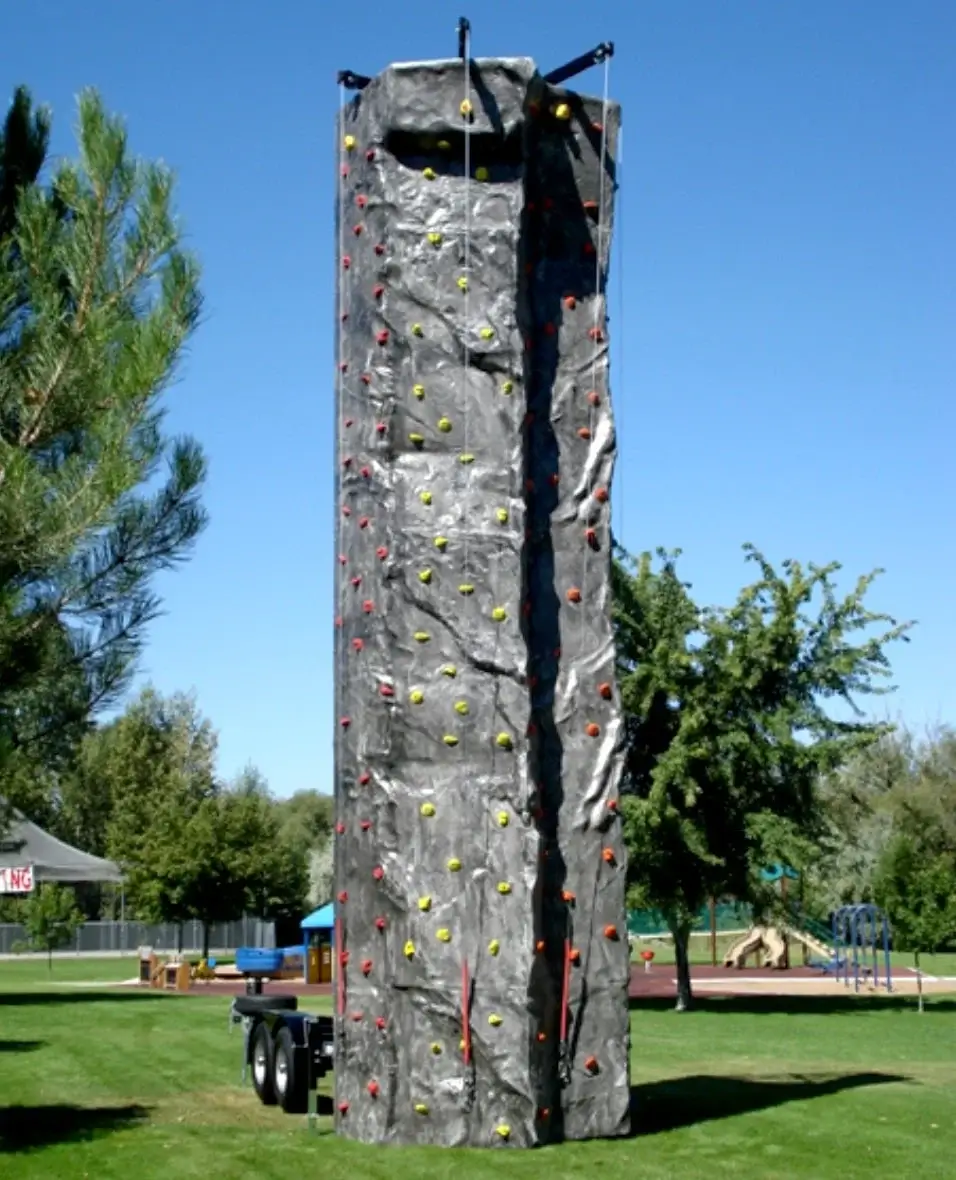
x=481 y=952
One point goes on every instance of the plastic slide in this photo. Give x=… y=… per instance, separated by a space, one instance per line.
x=812 y=943
x=752 y=941
x=776 y=948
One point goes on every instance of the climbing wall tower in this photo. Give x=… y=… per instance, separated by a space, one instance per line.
x=481 y=952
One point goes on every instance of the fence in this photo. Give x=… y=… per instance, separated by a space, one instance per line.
x=115 y=938
x=729 y=916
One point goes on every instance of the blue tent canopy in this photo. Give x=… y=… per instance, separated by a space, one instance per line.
x=321 y=919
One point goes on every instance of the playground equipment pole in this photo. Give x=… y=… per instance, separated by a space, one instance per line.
x=886 y=953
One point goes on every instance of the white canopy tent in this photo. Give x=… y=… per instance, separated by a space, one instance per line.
x=29 y=856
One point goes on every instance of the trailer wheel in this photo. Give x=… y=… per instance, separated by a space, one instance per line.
x=289 y=1079
x=262 y=1066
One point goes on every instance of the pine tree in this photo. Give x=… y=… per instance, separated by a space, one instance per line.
x=97 y=302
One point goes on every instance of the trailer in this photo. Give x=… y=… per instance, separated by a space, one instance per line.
x=288 y=1051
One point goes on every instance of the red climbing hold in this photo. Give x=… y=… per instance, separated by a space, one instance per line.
x=547 y=203
x=357 y=230
x=366 y=378
x=344 y=367
x=381 y=553
x=366 y=966
x=346 y=511
x=592 y=730
x=596 y=334
x=358 y=644
x=345 y=722
x=529 y=418
x=594 y=398
x=549 y=329
x=567 y=896
x=343 y=560
x=347 y=461
x=372 y=1088
x=378 y=291
x=378 y=872
x=344 y=958
x=382 y=337
x=344 y=170
x=343 y=1108
x=380 y=1020
x=380 y=427
x=379 y=249
x=343 y=897
x=531 y=729
x=346 y=262
x=356 y=1016
x=591 y=537
x=357 y=580
x=368 y=606
x=366 y=473
x=380 y=925
x=363 y=522
x=338 y=620
x=589 y=249
x=348 y=422
x=554 y=479
x=365 y=825
x=340 y=828
x=591 y=1065
x=584 y=432
x=605 y=690
x=541 y=1037
x=609 y=857
x=364 y=778
x=386 y=690
x=361 y=200
x=612 y=805
x=574 y=955
x=570 y=302
x=600 y=494
x=370 y=155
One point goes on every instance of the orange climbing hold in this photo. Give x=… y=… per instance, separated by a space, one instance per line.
x=600 y=494
x=594 y=398
x=610 y=932
x=596 y=334
x=574 y=594
x=574 y=955
x=343 y=896
x=567 y=896
x=605 y=691
x=591 y=1065
x=570 y=302
x=539 y=946
x=592 y=729
x=590 y=535
x=609 y=857
x=584 y=432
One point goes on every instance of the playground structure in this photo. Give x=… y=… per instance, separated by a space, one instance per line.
x=480 y=952
x=861 y=935
x=767 y=942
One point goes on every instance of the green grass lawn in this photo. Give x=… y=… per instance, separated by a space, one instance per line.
x=127 y=1085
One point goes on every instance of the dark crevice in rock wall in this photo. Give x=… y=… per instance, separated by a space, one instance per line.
x=468 y=507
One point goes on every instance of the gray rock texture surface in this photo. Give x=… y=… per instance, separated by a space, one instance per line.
x=481 y=950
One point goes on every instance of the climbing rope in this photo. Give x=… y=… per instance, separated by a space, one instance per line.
x=466 y=111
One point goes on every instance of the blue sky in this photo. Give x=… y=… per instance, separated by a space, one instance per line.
x=783 y=311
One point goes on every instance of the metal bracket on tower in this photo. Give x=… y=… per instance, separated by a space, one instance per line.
x=464 y=28
x=352 y=81
x=600 y=53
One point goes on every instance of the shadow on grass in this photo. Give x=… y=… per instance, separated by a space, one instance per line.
x=757 y=1005
x=20 y=1046
x=684 y=1102
x=23 y=1128
x=40 y=998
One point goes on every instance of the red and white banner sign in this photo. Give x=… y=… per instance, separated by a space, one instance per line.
x=16 y=880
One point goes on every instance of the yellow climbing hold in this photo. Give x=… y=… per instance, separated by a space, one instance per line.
x=421 y=637
x=504 y=740
x=466 y=588
x=466 y=458
x=466 y=107
x=434 y=239
x=429 y=173
x=450 y=740
x=427 y=810
x=499 y=614
x=443 y=934
x=454 y=864
x=421 y=1108
x=507 y=387
x=461 y=707
x=481 y=174
x=415 y=438
x=419 y=391
x=562 y=111
x=444 y=145
x=449 y=670
x=503 y=1130
x=349 y=142
x=425 y=497
x=494 y=1020
x=494 y=946
x=424 y=904
x=486 y=333
x=441 y=543
x=444 y=425
x=502 y=514
x=409 y=949
x=435 y=1047
x=504 y=887
x=418 y=330
x=424 y=576
x=463 y=282
x=416 y=696
x=502 y=818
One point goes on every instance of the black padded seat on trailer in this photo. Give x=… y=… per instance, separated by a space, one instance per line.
x=254 y=1005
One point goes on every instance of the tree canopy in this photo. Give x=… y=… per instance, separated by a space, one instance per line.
x=98 y=300
x=729 y=725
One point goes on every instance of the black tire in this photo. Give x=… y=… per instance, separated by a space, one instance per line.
x=261 y=1059
x=289 y=1074
x=253 y=1005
